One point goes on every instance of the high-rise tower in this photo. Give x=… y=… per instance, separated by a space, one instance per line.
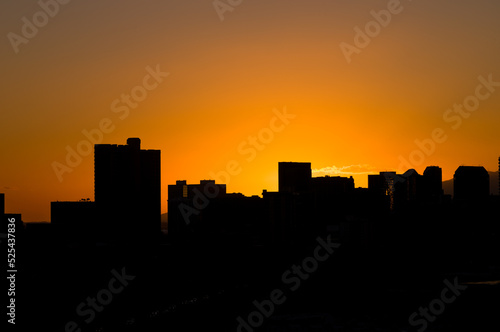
x=128 y=189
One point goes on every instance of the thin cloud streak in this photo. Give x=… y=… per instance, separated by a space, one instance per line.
x=345 y=170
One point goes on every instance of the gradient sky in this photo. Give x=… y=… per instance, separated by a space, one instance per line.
x=226 y=77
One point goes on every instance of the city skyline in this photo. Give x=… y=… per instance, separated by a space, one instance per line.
x=196 y=81
x=104 y=153
x=250 y=165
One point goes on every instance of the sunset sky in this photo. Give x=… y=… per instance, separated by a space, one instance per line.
x=229 y=73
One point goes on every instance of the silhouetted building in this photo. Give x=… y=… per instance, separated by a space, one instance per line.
x=304 y=206
x=331 y=199
x=383 y=188
x=332 y=185
x=294 y=177
x=236 y=217
x=127 y=194
x=433 y=184
x=186 y=202
x=75 y=221
x=471 y=183
x=128 y=190
x=394 y=191
x=377 y=184
x=281 y=211
x=498 y=175
x=413 y=185
x=205 y=212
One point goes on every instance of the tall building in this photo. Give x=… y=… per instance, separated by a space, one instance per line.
x=294 y=177
x=410 y=189
x=332 y=185
x=127 y=190
x=433 y=184
x=498 y=175
x=471 y=183
x=188 y=204
x=332 y=201
x=303 y=206
x=388 y=188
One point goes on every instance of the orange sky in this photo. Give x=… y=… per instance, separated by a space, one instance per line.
x=226 y=78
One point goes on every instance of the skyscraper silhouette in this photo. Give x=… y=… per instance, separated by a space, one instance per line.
x=128 y=190
x=187 y=205
x=433 y=184
x=471 y=183
x=294 y=177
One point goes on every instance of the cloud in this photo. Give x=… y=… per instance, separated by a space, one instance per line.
x=345 y=170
